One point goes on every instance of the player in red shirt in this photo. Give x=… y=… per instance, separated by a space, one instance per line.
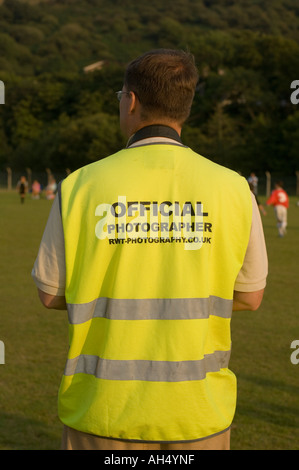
x=280 y=200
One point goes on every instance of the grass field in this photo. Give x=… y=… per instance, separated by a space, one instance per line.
x=36 y=340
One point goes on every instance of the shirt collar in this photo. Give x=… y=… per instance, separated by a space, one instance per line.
x=153 y=134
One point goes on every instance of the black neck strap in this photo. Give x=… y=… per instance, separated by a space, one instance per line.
x=155 y=130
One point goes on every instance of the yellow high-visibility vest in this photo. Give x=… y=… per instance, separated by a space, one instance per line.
x=155 y=236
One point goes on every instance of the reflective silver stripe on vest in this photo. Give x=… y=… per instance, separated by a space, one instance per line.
x=154 y=371
x=150 y=309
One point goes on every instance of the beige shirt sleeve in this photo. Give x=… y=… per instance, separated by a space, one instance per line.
x=49 y=268
x=253 y=274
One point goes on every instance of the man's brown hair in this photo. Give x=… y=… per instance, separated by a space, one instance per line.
x=164 y=81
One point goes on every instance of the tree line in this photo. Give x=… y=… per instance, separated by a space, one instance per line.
x=58 y=116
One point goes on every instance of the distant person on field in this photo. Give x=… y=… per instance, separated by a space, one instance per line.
x=150 y=250
x=279 y=199
x=22 y=188
x=36 y=189
x=51 y=188
x=260 y=206
x=253 y=179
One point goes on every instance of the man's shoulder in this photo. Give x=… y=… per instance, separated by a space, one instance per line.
x=94 y=168
x=219 y=170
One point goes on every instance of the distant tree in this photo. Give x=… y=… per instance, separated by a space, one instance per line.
x=291 y=141
x=25 y=125
x=27 y=35
x=247 y=55
x=83 y=140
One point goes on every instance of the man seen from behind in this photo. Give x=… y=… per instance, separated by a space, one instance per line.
x=150 y=250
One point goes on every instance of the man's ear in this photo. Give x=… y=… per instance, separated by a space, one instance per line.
x=133 y=103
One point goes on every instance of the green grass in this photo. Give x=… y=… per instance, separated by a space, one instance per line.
x=35 y=339
x=267 y=414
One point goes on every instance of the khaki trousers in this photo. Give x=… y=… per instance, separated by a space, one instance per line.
x=77 y=440
x=281 y=213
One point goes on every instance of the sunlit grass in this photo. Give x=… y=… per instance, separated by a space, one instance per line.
x=267 y=414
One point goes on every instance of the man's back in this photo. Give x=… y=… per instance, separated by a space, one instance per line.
x=155 y=237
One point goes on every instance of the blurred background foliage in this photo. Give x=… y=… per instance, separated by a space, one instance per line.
x=59 y=116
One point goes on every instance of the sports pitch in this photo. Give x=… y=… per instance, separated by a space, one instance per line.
x=36 y=341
